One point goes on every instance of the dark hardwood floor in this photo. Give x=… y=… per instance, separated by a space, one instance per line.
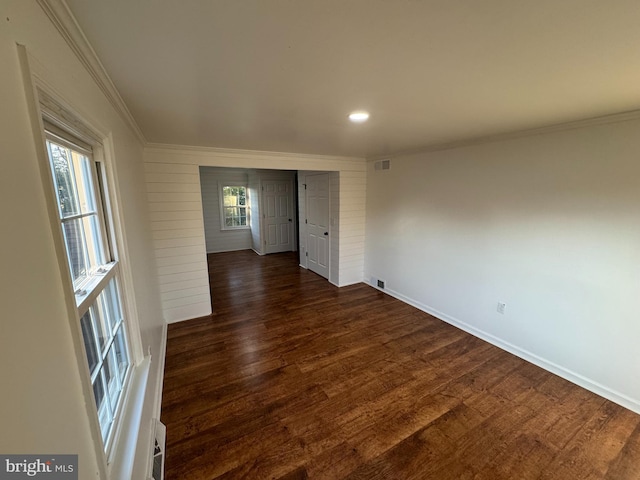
x=293 y=378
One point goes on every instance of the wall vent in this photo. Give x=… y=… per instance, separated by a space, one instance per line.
x=382 y=164
x=380 y=284
x=157 y=454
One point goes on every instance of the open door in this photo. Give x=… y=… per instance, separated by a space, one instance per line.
x=318 y=234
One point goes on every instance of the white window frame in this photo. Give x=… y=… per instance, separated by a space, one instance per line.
x=223 y=225
x=45 y=106
x=88 y=290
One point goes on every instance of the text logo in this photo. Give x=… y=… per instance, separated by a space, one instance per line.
x=46 y=467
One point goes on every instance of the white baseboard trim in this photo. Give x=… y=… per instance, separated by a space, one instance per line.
x=350 y=283
x=573 y=377
x=157 y=407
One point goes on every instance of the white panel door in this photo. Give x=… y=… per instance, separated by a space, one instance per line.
x=317 y=217
x=277 y=205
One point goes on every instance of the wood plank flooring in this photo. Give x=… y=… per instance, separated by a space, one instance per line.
x=293 y=378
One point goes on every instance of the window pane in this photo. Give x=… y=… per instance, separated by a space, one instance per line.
x=95 y=252
x=84 y=246
x=74 y=241
x=114 y=383
x=235 y=206
x=89 y=340
x=84 y=182
x=98 y=391
x=62 y=166
x=100 y=323
x=112 y=301
x=122 y=356
x=102 y=405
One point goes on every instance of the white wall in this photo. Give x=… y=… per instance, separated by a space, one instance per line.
x=217 y=239
x=547 y=224
x=44 y=406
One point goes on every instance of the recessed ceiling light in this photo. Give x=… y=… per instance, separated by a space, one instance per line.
x=358 y=117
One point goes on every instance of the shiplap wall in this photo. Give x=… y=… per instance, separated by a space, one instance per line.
x=334 y=225
x=349 y=178
x=173 y=192
x=352 y=188
x=217 y=239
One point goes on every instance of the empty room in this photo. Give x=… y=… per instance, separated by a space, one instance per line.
x=277 y=239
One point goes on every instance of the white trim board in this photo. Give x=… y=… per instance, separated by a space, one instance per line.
x=252 y=159
x=157 y=407
x=581 y=381
x=242 y=153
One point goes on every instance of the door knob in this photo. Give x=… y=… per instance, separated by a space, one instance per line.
x=289 y=219
x=326 y=233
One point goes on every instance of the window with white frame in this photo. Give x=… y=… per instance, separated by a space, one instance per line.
x=233 y=201
x=79 y=185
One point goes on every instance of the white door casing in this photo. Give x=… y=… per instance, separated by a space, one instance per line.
x=317 y=219
x=277 y=204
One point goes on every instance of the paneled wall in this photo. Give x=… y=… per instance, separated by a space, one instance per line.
x=352 y=188
x=173 y=192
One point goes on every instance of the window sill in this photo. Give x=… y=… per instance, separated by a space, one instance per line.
x=120 y=464
x=232 y=229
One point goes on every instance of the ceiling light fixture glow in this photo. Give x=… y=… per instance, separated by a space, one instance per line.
x=358 y=117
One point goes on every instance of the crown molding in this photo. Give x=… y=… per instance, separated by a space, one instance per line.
x=239 y=153
x=64 y=21
x=501 y=137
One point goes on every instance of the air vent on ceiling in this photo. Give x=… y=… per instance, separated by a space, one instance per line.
x=382 y=164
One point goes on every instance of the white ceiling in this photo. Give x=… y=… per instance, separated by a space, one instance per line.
x=282 y=75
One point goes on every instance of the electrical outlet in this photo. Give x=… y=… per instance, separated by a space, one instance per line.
x=501 y=307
